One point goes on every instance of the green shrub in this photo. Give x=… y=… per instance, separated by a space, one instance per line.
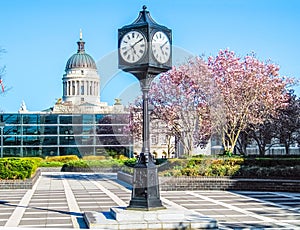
x=38 y=160
x=190 y=171
x=171 y=172
x=51 y=164
x=94 y=158
x=196 y=161
x=283 y=172
x=221 y=170
x=105 y=163
x=63 y=159
x=17 y=168
x=272 y=162
x=171 y=164
x=93 y=163
x=77 y=163
x=130 y=162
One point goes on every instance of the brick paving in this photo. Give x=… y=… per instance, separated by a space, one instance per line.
x=58 y=200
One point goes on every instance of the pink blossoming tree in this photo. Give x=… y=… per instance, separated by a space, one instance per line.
x=222 y=96
x=251 y=91
x=180 y=100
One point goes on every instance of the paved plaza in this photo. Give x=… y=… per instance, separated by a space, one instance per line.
x=58 y=200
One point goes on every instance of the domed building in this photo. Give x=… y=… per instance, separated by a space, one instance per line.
x=78 y=123
x=81 y=86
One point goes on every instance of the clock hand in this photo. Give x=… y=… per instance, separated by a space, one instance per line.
x=163 y=44
x=137 y=42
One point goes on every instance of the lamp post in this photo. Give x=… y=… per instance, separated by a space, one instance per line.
x=145 y=51
x=2 y=125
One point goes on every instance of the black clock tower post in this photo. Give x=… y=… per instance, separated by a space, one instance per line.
x=145 y=50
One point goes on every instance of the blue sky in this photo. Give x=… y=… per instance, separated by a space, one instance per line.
x=40 y=35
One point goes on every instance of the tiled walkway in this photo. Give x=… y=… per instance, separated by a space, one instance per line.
x=58 y=200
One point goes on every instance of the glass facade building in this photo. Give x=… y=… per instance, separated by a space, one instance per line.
x=48 y=134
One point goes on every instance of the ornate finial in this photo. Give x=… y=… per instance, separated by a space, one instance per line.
x=80 y=43
x=144 y=7
x=118 y=101
x=23 y=108
x=80 y=34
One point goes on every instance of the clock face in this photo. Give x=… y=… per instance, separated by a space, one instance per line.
x=161 y=48
x=133 y=46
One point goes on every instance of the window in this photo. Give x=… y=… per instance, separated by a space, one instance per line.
x=154 y=139
x=82 y=89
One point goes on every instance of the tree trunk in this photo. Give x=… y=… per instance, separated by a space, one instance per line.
x=287 y=148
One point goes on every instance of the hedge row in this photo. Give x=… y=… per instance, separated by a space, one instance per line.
x=233 y=167
x=18 y=168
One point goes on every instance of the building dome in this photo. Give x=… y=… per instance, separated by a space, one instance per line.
x=81 y=59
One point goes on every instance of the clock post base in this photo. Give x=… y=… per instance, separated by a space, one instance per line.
x=145 y=188
x=171 y=218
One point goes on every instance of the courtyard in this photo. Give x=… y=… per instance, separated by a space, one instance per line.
x=58 y=200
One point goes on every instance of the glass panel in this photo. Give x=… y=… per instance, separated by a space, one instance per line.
x=99 y=117
x=11 y=130
x=84 y=140
x=11 y=140
x=31 y=140
x=65 y=119
x=32 y=152
x=117 y=129
x=113 y=119
x=69 y=151
x=87 y=130
x=49 y=151
x=12 y=118
x=31 y=130
x=77 y=129
x=86 y=151
x=88 y=119
x=49 y=119
x=31 y=119
x=12 y=152
x=47 y=140
x=67 y=140
x=65 y=130
x=49 y=130
x=107 y=129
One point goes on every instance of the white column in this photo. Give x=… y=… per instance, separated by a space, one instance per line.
x=87 y=88
x=78 y=88
x=82 y=87
x=90 y=87
x=73 y=88
x=69 y=88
